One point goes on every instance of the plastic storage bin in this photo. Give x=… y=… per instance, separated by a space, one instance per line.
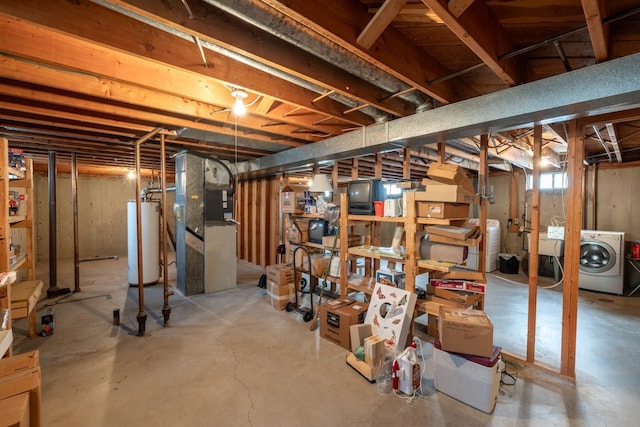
x=509 y=263
x=472 y=380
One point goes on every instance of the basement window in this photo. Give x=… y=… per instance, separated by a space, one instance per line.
x=549 y=181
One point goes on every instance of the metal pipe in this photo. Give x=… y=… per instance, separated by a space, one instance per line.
x=53 y=241
x=166 y=309
x=142 y=316
x=148 y=190
x=74 y=202
x=99 y=258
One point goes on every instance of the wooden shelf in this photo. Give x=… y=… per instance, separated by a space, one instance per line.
x=360 y=288
x=374 y=252
x=15 y=173
x=16 y=218
x=369 y=218
x=430 y=264
x=19 y=262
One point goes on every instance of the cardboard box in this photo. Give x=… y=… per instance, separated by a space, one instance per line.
x=463 y=298
x=280 y=273
x=327 y=241
x=335 y=321
x=442 y=210
x=374 y=350
x=438 y=192
x=461 y=232
x=465 y=331
x=459 y=285
x=472 y=380
x=292 y=202
x=450 y=174
x=297 y=231
x=358 y=333
x=389 y=277
x=442 y=252
x=319 y=264
x=280 y=295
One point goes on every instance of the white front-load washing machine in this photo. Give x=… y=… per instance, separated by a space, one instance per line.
x=602 y=261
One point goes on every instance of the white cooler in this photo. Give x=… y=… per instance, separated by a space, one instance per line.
x=470 y=379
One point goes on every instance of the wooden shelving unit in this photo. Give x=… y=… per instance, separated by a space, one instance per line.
x=370 y=250
x=16 y=229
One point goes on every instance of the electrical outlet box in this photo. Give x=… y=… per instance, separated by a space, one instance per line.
x=556 y=233
x=516 y=221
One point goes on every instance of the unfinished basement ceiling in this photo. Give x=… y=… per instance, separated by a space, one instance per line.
x=91 y=77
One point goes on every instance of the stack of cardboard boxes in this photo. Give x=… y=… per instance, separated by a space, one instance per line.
x=280 y=285
x=444 y=207
x=466 y=364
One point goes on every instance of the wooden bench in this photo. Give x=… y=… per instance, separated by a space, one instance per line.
x=24 y=297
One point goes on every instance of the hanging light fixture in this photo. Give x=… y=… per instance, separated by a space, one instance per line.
x=320 y=184
x=238 y=107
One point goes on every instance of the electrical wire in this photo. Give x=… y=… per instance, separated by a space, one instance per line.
x=512 y=377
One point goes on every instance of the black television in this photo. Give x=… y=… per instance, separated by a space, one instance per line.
x=363 y=193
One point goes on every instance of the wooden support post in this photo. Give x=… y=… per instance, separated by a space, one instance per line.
x=354 y=169
x=377 y=170
x=482 y=183
x=442 y=152
x=533 y=250
x=406 y=164
x=334 y=183
x=575 y=189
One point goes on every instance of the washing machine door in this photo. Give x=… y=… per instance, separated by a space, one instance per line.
x=596 y=257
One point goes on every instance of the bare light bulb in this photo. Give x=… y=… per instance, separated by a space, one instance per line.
x=239 y=108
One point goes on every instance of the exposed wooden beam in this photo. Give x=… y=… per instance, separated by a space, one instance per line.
x=210 y=25
x=594 y=11
x=380 y=21
x=144 y=56
x=458 y=7
x=130 y=102
x=392 y=52
x=482 y=33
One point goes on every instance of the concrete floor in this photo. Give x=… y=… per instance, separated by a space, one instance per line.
x=230 y=359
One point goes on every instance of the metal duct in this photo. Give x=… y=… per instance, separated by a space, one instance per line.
x=376 y=114
x=267 y=19
x=607 y=87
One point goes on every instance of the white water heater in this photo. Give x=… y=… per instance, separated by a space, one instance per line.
x=150 y=211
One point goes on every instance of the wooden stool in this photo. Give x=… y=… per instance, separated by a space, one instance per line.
x=24 y=297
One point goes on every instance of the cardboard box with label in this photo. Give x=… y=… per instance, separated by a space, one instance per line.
x=337 y=316
x=465 y=331
x=292 y=202
x=280 y=274
x=442 y=210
